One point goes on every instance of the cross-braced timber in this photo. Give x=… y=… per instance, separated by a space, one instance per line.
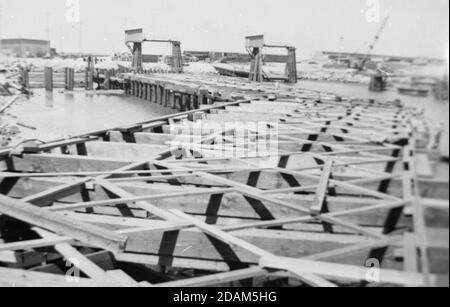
x=342 y=188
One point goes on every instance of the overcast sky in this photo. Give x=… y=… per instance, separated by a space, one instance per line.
x=417 y=27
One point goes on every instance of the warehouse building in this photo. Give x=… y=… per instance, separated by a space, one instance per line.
x=20 y=47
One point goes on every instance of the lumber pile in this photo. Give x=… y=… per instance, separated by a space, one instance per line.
x=303 y=190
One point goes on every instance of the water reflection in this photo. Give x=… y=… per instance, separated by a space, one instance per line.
x=49 y=99
x=57 y=115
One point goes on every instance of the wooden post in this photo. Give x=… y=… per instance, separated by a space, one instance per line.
x=48 y=79
x=291 y=66
x=89 y=74
x=25 y=78
x=178 y=102
x=161 y=95
x=107 y=83
x=137 y=57
x=177 y=58
x=154 y=93
x=144 y=91
x=166 y=97
x=69 y=79
x=172 y=99
x=256 y=66
x=149 y=92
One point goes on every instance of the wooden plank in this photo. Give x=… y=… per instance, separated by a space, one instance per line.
x=175 y=262
x=25 y=245
x=341 y=272
x=164 y=214
x=234 y=241
x=22 y=278
x=217 y=279
x=322 y=188
x=92 y=235
x=410 y=260
x=47 y=197
x=77 y=259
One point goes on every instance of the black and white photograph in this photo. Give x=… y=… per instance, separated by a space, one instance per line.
x=224 y=151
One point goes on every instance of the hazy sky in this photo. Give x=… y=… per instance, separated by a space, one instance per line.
x=417 y=27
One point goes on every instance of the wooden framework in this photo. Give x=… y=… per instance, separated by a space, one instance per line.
x=190 y=199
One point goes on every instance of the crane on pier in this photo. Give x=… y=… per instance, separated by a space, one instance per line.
x=255 y=45
x=378 y=80
x=134 y=40
x=362 y=64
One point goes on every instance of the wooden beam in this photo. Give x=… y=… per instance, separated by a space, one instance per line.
x=22 y=278
x=322 y=188
x=341 y=272
x=217 y=279
x=310 y=279
x=31 y=244
x=92 y=235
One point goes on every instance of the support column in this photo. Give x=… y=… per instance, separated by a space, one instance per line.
x=89 y=74
x=149 y=92
x=48 y=79
x=172 y=100
x=291 y=66
x=256 y=73
x=177 y=58
x=107 y=82
x=137 y=57
x=25 y=78
x=69 y=79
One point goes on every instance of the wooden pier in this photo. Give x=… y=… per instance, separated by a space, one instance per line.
x=249 y=184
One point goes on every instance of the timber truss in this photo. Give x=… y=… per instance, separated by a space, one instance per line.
x=172 y=202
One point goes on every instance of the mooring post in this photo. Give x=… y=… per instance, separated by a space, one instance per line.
x=25 y=75
x=69 y=79
x=89 y=74
x=107 y=82
x=48 y=78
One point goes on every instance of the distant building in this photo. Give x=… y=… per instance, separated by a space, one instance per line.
x=21 y=47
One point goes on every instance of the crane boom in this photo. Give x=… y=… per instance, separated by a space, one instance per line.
x=372 y=45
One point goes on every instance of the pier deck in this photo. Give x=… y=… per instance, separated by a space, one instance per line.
x=251 y=183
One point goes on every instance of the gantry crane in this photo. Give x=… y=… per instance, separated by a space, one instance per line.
x=134 y=40
x=255 y=45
